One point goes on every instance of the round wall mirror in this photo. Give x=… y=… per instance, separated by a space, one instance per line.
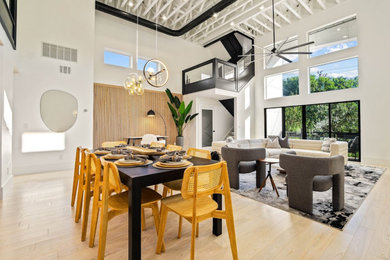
x=58 y=110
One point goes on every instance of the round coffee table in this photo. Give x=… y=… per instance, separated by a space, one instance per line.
x=269 y=161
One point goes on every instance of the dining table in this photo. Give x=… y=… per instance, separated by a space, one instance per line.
x=135 y=178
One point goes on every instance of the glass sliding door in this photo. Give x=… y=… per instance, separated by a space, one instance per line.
x=317 y=121
x=293 y=122
x=274 y=121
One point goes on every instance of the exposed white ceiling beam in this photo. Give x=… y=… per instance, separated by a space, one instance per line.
x=150 y=6
x=292 y=10
x=254 y=28
x=304 y=5
x=159 y=11
x=262 y=24
x=282 y=16
x=190 y=10
x=139 y=2
x=322 y=4
x=270 y=19
x=175 y=10
x=123 y=3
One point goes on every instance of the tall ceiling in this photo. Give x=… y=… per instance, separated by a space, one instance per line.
x=251 y=17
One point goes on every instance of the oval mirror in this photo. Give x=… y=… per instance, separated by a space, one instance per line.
x=58 y=110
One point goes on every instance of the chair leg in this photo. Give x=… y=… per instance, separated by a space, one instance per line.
x=193 y=235
x=94 y=220
x=180 y=226
x=143 y=224
x=197 y=229
x=230 y=226
x=156 y=216
x=79 y=201
x=103 y=232
x=74 y=188
x=85 y=215
x=161 y=229
x=156 y=187
x=165 y=192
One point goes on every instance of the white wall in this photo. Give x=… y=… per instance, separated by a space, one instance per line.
x=374 y=63
x=7 y=65
x=117 y=34
x=67 y=23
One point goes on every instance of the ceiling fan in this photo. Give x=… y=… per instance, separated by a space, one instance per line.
x=277 y=50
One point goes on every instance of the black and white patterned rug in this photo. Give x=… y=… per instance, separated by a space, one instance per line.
x=359 y=180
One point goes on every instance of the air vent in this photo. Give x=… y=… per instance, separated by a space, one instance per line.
x=59 y=52
x=65 y=69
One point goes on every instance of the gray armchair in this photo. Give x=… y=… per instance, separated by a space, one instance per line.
x=308 y=174
x=244 y=160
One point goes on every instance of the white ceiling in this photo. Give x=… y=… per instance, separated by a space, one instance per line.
x=251 y=17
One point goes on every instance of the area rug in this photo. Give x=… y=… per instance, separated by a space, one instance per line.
x=359 y=180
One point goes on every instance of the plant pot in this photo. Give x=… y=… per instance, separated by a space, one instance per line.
x=180 y=140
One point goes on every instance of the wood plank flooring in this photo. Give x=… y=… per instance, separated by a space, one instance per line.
x=37 y=222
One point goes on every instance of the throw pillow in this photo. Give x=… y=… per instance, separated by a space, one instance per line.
x=326 y=144
x=273 y=143
x=284 y=142
x=272 y=137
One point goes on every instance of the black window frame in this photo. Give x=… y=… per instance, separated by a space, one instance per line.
x=304 y=130
x=8 y=16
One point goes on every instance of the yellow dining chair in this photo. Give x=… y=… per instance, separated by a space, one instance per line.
x=176 y=184
x=113 y=143
x=81 y=184
x=195 y=205
x=157 y=144
x=171 y=147
x=76 y=175
x=113 y=205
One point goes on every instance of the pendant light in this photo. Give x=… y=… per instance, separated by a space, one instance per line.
x=133 y=82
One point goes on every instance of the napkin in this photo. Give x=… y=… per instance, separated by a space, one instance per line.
x=174 y=156
x=177 y=153
x=142 y=158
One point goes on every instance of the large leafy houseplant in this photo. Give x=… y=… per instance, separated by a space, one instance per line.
x=180 y=112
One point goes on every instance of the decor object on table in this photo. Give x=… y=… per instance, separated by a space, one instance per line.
x=151 y=113
x=148 y=139
x=308 y=174
x=244 y=160
x=133 y=82
x=58 y=110
x=359 y=181
x=180 y=114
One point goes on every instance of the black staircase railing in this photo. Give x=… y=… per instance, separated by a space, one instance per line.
x=216 y=73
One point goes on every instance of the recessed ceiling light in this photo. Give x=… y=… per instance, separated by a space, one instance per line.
x=164 y=18
x=345 y=36
x=232 y=24
x=131 y=4
x=338 y=29
x=215 y=15
x=262 y=7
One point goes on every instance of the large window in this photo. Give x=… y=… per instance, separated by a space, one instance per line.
x=334 y=76
x=335 y=37
x=152 y=66
x=274 y=61
x=281 y=85
x=316 y=121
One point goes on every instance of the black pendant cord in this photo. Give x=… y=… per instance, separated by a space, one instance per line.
x=273 y=23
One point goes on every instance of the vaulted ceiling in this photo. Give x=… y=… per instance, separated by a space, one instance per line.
x=251 y=17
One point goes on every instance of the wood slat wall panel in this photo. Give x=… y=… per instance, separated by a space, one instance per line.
x=117 y=115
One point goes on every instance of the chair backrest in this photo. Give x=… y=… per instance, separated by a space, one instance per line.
x=171 y=147
x=77 y=161
x=205 y=180
x=148 y=139
x=157 y=144
x=113 y=143
x=200 y=153
x=111 y=179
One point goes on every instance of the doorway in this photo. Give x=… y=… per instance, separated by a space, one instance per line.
x=207 y=127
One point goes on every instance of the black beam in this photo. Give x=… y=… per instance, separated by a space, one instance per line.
x=141 y=21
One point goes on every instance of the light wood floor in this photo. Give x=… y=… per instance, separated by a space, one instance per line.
x=36 y=222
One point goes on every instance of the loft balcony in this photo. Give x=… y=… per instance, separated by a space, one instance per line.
x=220 y=74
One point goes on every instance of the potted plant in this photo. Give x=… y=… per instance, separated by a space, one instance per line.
x=180 y=114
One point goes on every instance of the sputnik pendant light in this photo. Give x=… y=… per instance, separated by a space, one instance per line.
x=133 y=82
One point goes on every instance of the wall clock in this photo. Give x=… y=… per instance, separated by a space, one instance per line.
x=156 y=73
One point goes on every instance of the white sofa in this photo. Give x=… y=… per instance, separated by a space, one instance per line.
x=302 y=147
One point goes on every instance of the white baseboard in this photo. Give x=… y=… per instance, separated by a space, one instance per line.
x=42 y=168
x=375 y=161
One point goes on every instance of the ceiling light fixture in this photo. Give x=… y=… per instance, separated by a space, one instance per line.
x=232 y=24
x=345 y=36
x=338 y=29
x=164 y=17
x=215 y=15
x=262 y=7
x=131 y=4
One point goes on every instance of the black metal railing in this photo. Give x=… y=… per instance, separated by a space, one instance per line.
x=216 y=73
x=8 y=19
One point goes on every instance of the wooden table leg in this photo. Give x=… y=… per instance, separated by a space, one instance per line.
x=263 y=184
x=134 y=230
x=273 y=185
x=217 y=223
